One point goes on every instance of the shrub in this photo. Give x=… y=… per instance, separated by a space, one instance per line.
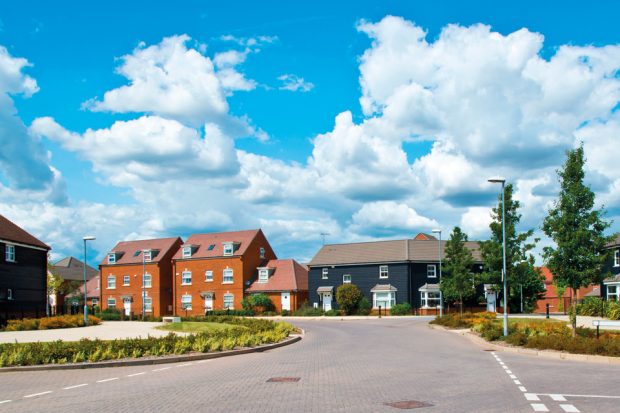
x=363 y=306
x=285 y=313
x=347 y=297
x=613 y=310
x=48 y=323
x=306 y=311
x=110 y=314
x=466 y=320
x=241 y=313
x=401 y=309
x=332 y=313
x=591 y=306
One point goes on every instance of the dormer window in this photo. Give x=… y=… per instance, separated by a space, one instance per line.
x=229 y=248
x=147 y=255
x=187 y=251
x=263 y=276
x=112 y=258
x=262 y=252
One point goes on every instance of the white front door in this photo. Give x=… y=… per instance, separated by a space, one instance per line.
x=286 y=300
x=208 y=302
x=327 y=301
x=127 y=305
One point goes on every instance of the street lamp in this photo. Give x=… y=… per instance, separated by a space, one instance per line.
x=438 y=231
x=87 y=238
x=143 y=280
x=504 y=275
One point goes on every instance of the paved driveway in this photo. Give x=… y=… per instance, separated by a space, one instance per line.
x=342 y=366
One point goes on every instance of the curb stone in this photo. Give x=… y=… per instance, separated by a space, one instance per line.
x=159 y=360
x=549 y=354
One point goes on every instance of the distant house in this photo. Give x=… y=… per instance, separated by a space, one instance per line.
x=23 y=273
x=611 y=285
x=71 y=270
x=284 y=281
x=212 y=271
x=560 y=304
x=93 y=291
x=137 y=275
x=387 y=272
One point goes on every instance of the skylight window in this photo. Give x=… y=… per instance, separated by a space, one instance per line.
x=211 y=247
x=135 y=254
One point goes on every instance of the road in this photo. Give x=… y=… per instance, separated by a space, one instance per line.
x=341 y=366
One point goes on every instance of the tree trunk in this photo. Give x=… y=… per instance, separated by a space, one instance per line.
x=573 y=312
x=461 y=300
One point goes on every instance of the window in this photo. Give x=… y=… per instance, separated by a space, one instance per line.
x=383 y=271
x=228 y=276
x=148 y=304
x=111 y=282
x=147 y=281
x=208 y=275
x=346 y=279
x=126 y=279
x=211 y=247
x=111 y=258
x=147 y=255
x=263 y=276
x=229 y=301
x=385 y=299
x=617 y=258
x=10 y=253
x=186 y=278
x=612 y=292
x=430 y=299
x=186 y=302
x=228 y=248
x=431 y=271
x=187 y=252
x=9 y=293
x=111 y=302
x=262 y=252
x=325 y=273
x=95 y=302
x=137 y=253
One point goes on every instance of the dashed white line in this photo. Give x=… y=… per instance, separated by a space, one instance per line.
x=37 y=394
x=539 y=407
x=517 y=382
x=183 y=365
x=508 y=371
x=162 y=369
x=569 y=408
x=557 y=397
x=75 y=387
x=202 y=361
x=512 y=376
x=522 y=388
x=106 y=380
x=532 y=397
x=5 y=401
x=136 y=374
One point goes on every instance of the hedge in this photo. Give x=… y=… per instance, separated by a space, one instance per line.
x=48 y=323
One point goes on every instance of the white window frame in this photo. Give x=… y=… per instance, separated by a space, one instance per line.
x=147 y=280
x=613 y=296
x=383 y=271
x=225 y=275
x=231 y=298
x=147 y=255
x=9 y=253
x=112 y=258
x=229 y=249
x=263 y=276
x=425 y=299
x=126 y=280
x=325 y=273
x=187 y=252
x=113 y=301
x=111 y=285
x=95 y=301
x=186 y=278
x=390 y=299
x=617 y=258
x=433 y=273
x=346 y=278
x=9 y=293
x=186 y=302
x=262 y=252
x=209 y=276
x=148 y=303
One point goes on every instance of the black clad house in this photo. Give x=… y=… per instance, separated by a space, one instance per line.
x=611 y=284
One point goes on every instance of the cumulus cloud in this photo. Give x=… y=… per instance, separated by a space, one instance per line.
x=295 y=83
x=389 y=217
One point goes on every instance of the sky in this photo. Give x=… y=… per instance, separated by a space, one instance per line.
x=132 y=120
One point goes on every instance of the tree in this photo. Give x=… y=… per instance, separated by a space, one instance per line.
x=576 y=228
x=348 y=296
x=456 y=282
x=519 y=259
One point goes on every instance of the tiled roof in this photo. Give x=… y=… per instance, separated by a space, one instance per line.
x=613 y=279
x=546 y=272
x=288 y=275
x=11 y=232
x=211 y=245
x=131 y=251
x=615 y=242
x=386 y=251
x=92 y=288
x=425 y=237
x=383 y=287
x=71 y=268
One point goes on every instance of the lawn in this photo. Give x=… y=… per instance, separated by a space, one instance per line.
x=197 y=327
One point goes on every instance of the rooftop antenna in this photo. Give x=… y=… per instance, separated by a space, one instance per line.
x=323 y=234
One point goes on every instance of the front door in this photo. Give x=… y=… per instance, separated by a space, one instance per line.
x=286 y=300
x=208 y=302
x=127 y=306
x=327 y=301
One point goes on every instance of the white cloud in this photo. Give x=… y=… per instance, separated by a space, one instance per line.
x=475 y=222
x=295 y=83
x=390 y=216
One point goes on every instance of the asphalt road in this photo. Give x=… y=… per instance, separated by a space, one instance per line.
x=342 y=366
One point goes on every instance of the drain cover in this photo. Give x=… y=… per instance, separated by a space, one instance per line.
x=488 y=349
x=283 y=380
x=408 y=404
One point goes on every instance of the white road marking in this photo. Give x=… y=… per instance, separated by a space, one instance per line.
x=502 y=363
x=569 y=408
x=508 y=371
x=37 y=394
x=183 y=365
x=532 y=397
x=202 y=361
x=539 y=407
x=517 y=382
x=5 y=401
x=105 y=380
x=557 y=397
x=75 y=387
x=522 y=388
x=162 y=369
x=505 y=367
x=512 y=376
x=136 y=374
x=582 y=395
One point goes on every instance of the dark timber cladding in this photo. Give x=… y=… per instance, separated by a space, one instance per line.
x=23 y=273
x=378 y=268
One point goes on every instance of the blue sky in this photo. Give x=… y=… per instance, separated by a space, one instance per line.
x=367 y=144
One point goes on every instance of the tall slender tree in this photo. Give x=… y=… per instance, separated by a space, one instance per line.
x=577 y=228
x=457 y=282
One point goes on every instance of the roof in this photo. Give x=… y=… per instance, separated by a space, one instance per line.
x=596 y=292
x=425 y=237
x=131 y=251
x=615 y=242
x=288 y=275
x=11 y=232
x=70 y=268
x=325 y=289
x=92 y=288
x=386 y=251
x=546 y=272
x=382 y=287
x=211 y=245
x=429 y=287
x=613 y=279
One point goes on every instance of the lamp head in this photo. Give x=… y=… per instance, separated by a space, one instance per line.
x=89 y=238
x=436 y=231
x=496 y=180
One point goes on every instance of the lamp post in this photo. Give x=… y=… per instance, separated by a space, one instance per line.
x=87 y=238
x=504 y=275
x=143 y=280
x=438 y=231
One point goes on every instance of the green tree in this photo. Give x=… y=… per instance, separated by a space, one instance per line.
x=348 y=296
x=577 y=229
x=457 y=282
x=519 y=260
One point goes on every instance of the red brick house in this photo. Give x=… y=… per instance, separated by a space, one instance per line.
x=212 y=271
x=137 y=273
x=561 y=304
x=284 y=281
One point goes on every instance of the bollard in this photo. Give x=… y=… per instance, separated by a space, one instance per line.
x=547 y=305
x=379 y=311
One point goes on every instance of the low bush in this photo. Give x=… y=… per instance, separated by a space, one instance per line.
x=306 y=311
x=240 y=313
x=613 y=310
x=401 y=309
x=467 y=320
x=591 y=306
x=363 y=306
x=332 y=313
x=48 y=323
x=286 y=313
x=110 y=314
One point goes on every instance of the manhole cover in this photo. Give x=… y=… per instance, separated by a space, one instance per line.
x=488 y=349
x=283 y=380
x=408 y=404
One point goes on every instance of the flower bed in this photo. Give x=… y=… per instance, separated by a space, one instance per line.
x=48 y=323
